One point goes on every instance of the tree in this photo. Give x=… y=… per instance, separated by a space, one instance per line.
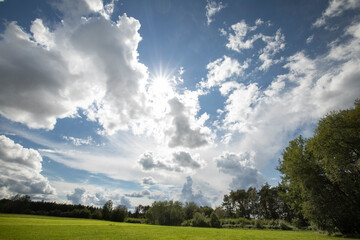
x=228 y=206
x=269 y=202
x=214 y=220
x=165 y=213
x=199 y=220
x=323 y=172
x=119 y=213
x=190 y=209
x=107 y=209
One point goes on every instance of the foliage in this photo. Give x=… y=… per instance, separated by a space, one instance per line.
x=199 y=220
x=119 y=213
x=214 y=220
x=190 y=209
x=322 y=173
x=107 y=209
x=165 y=213
x=135 y=220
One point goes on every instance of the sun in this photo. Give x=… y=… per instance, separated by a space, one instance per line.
x=161 y=84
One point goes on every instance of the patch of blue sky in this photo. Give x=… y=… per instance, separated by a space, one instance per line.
x=56 y=171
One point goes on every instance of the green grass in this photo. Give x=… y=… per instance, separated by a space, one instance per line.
x=23 y=227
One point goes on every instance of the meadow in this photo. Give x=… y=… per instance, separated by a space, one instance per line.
x=23 y=227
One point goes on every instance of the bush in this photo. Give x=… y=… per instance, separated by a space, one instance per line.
x=199 y=220
x=259 y=224
x=214 y=220
x=135 y=220
x=96 y=214
x=187 y=223
x=284 y=225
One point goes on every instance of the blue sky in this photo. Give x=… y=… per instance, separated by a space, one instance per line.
x=137 y=101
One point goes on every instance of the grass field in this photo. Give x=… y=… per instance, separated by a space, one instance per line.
x=37 y=227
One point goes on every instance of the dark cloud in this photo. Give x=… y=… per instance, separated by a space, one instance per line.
x=183 y=134
x=240 y=166
x=184 y=159
x=147 y=162
x=188 y=195
x=179 y=162
x=148 y=181
x=144 y=193
x=76 y=196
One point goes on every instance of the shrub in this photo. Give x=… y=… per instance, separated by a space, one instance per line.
x=259 y=224
x=214 y=220
x=135 y=220
x=97 y=214
x=187 y=223
x=199 y=220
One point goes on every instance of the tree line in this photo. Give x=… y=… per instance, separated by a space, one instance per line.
x=320 y=188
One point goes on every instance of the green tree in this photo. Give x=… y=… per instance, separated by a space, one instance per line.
x=190 y=209
x=323 y=172
x=107 y=209
x=165 y=213
x=199 y=220
x=119 y=213
x=269 y=202
x=214 y=220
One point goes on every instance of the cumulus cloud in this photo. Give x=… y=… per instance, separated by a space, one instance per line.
x=20 y=171
x=182 y=134
x=77 y=196
x=241 y=167
x=97 y=197
x=264 y=120
x=211 y=9
x=241 y=38
x=222 y=69
x=179 y=162
x=237 y=40
x=148 y=181
x=148 y=162
x=189 y=195
x=90 y=63
x=184 y=159
x=336 y=8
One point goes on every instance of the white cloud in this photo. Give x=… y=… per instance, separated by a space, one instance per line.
x=264 y=120
x=20 y=171
x=79 y=141
x=90 y=61
x=274 y=44
x=97 y=197
x=336 y=8
x=242 y=39
x=211 y=9
x=309 y=39
x=222 y=69
x=237 y=40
